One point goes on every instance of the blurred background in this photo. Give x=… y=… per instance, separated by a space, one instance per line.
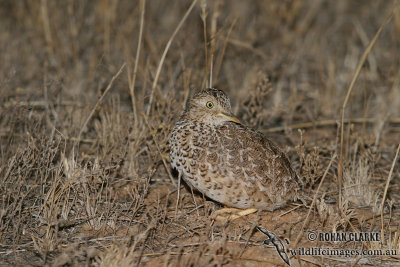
x=87 y=102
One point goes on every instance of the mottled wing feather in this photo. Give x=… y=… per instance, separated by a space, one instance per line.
x=232 y=164
x=262 y=163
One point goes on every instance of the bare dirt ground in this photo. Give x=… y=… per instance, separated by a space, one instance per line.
x=89 y=91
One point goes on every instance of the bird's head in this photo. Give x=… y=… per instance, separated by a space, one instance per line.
x=211 y=106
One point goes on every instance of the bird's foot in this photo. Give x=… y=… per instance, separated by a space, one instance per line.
x=233 y=214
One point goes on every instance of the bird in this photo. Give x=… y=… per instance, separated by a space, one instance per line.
x=228 y=161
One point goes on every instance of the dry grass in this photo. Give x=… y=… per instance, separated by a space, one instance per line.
x=89 y=91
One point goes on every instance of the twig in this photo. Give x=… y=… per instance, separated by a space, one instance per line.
x=312 y=203
x=355 y=76
x=356 y=261
x=214 y=19
x=46 y=27
x=153 y=87
x=386 y=189
x=159 y=151
x=132 y=81
x=40 y=103
x=73 y=139
x=179 y=194
x=245 y=45
x=203 y=16
x=324 y=123
x=100 y=100
x=221 y=56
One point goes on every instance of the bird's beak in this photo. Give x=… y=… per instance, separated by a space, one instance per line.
x=229 y=117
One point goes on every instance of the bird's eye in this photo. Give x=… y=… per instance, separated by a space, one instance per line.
x=210 y=104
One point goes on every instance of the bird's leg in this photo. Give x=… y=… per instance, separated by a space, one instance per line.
x=234 y=213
